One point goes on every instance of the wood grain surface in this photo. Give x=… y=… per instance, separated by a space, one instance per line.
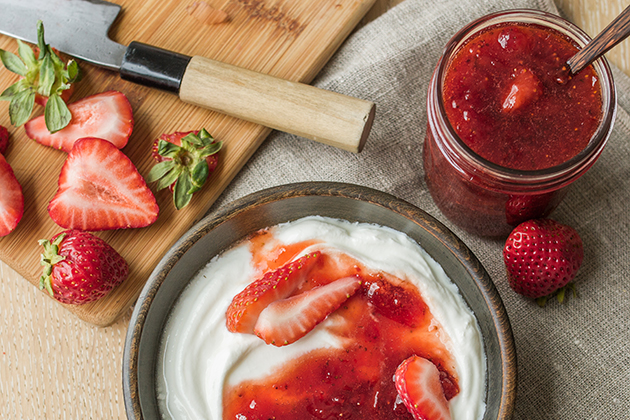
x=285 y=38
x=55 y=366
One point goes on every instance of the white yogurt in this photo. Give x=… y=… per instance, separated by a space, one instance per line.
x=199 y=356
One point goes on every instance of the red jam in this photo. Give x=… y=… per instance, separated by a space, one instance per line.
x=383 y=324
x=509 y=97
x=509 y=129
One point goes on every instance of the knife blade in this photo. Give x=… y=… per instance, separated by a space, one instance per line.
x=80 y=28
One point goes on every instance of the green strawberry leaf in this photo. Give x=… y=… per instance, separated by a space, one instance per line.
x=27 y=54
x=72 y=72
x=40 y=39
x=169 y=178
x=46 y=76
x=198 y=176
x=160 y=170
x=12 y=90
x=193 y=140
x=181 y=196
x=211 y=149
x=48 y=259
x=21 y=107
x=167 y=149
x=13 y=63
x=56 y=114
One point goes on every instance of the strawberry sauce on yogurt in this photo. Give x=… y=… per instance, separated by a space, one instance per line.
x=344 y=366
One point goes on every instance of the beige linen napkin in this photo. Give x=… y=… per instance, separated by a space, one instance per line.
x=573 y=359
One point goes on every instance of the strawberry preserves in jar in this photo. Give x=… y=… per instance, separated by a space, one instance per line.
x=509 y=128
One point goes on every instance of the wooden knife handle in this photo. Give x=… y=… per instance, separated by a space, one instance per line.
x=321 y=115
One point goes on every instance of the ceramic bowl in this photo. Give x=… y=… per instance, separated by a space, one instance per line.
x=218 y=232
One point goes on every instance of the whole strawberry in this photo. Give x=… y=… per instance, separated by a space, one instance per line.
x=80 y=267
x=542 y=256
x=185 y=160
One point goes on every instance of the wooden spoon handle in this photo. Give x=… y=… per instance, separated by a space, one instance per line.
x=296 y=108
x=612 y=35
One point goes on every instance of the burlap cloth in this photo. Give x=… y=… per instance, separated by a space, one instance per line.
x=573 y=359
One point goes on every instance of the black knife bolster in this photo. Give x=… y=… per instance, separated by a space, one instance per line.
x=154 y=67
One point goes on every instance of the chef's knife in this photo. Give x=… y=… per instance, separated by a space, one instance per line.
x=80 y=28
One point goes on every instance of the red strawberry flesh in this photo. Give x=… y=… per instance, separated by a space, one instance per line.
x=285 y=321
x=525 y=89
x=245 y=308
x=11 y=199
x=101 y=189
x=542 y=256
x=418 y=384
x=106 y=115
x=4 y=139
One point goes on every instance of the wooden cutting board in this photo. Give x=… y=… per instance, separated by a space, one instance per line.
x=291 y=39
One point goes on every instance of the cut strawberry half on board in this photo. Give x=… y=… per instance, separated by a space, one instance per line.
x=287 y=320
x=11 y=199
x=106 y=115
x=418 y=385
x=242 y=314
x=101 y=189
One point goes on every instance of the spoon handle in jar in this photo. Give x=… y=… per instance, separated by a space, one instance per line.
x=612 y=35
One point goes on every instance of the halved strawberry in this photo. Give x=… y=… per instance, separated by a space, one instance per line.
x=107 y=115
x=242 y=314
x=101 y=189
x=418 y=385
x=287 y=320
x=11 y=199
x=525 y=89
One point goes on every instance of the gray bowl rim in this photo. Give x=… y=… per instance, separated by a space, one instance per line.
x=330 y=189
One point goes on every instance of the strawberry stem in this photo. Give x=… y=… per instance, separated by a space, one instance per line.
x=45 y=75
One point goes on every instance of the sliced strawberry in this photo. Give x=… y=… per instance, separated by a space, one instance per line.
x=418 y=385
x=525 y=89
x=11 y=199
x=243 y=312
x=287 y=320
x=101 y=189
x=106 y=115
x=4 y=139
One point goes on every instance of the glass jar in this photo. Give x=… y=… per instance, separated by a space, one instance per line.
x=480 y=196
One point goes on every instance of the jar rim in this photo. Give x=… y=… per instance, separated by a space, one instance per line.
x=570 y=169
